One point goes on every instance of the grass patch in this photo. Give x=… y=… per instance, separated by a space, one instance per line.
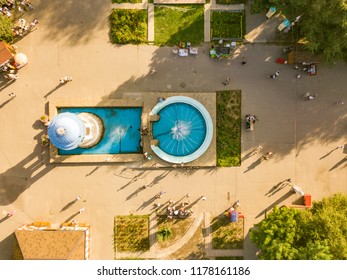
x=176 y=227
x=128 y=26
x=176 y=23
x=228 y=128
x=126 y=1
x=131 y=233
x=228 y=25
x=227 y=235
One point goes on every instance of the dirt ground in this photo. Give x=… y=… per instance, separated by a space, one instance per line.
x=193 y=250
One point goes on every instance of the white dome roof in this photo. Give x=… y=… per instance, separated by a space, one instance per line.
x=66 y=131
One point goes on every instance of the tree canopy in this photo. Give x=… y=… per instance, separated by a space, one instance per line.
x=6 y=33
x=319 y=233
x=322 y=27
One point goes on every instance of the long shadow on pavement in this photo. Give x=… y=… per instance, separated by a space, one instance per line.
x=278 y=201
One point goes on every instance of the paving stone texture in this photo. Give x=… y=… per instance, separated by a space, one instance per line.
x=72 y=39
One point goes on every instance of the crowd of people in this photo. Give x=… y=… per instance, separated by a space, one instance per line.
x=20 y=5
x=20 y=28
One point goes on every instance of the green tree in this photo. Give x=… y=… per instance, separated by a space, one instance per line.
x=319 y=233
x=6 y=33
x=322 y=27
x=275 y=235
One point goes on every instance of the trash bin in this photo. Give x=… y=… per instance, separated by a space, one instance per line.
x=307 y=200
x=234 y=216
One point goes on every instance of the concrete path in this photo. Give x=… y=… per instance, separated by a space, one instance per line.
x=150 y=25
x=301 y=134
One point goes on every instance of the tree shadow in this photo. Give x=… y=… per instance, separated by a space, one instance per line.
x=21 y=176
x=6 y=245
x=81 y=20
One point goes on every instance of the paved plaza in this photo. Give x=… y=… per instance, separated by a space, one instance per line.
x=72 y=40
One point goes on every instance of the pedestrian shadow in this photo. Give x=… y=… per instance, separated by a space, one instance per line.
x=254 y=165
x=247 y=156
x=93 y=170
x=67 y=206
x=134 y=179
x=327 y=154
x=135 y=193
x=278 y=201
x=275 y=189
x=344 y=160
x=4 y=219
x=147 y=203
x=6 y=102
x=53 y=90
x=157 y=179
x=72 y=217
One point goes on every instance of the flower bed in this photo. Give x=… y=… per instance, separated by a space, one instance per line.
x=131 y=233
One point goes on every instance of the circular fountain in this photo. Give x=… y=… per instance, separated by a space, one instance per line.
x=182 y=130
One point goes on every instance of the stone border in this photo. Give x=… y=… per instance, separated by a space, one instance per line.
x=53 y=111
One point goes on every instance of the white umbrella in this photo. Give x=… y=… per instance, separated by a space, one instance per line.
x=20 y=59
x=298 y=190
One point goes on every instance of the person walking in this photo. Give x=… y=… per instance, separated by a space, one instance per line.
x=65 y=79
x=267 y=156
x=257 y=149
x=227 y=81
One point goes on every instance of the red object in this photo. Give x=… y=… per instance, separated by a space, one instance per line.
x=307 y=200
x=280 y=60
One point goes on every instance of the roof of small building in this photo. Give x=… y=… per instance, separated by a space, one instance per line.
x=52 y=244
x=5 y=52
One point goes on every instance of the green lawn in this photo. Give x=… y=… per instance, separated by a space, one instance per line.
x=228 y=25
x=227 y=235
x=131 y=233
x=176 y=23
x=128 y=26
x=228 y=128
